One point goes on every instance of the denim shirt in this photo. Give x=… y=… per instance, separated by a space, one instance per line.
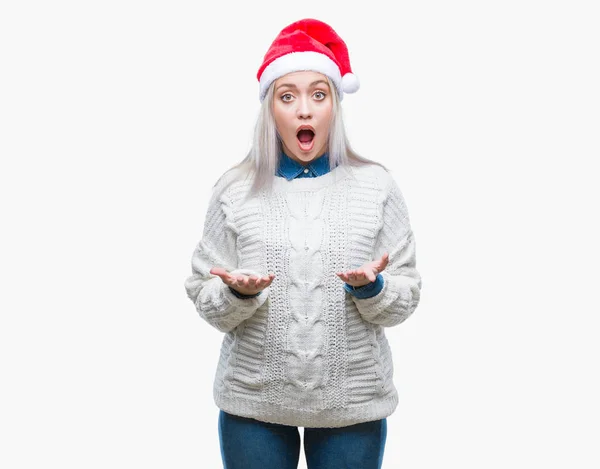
x=291 y=169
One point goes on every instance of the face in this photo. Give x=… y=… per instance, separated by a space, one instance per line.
x=302 y=107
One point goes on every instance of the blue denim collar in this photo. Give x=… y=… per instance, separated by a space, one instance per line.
x=290 y=169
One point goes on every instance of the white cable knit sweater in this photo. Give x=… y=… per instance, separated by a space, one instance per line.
x=305 y=352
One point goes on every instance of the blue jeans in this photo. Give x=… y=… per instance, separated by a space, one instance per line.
x=248 y=443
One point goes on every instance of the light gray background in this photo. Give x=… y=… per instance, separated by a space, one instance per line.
x=116 y=118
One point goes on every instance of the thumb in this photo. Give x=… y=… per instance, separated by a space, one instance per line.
x=220 y=271
x=381 y=263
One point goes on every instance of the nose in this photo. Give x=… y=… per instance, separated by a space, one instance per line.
x=304 y=110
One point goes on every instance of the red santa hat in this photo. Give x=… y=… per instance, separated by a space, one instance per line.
x=308 y=44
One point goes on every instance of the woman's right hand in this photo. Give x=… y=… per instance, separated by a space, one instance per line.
x=244 y=284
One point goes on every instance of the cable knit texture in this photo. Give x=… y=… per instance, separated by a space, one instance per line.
x=305 y=352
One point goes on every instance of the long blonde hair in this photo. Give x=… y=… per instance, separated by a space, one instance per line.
x=262 y=160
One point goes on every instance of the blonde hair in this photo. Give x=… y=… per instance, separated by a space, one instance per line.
x=262 y=160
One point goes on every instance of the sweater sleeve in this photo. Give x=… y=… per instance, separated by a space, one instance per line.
x=400 y=294
x=368 y=290
x=214 y=300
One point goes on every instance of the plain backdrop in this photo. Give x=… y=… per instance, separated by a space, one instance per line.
x=117 y=117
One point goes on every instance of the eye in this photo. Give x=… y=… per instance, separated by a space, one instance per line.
x=283 y=97
x=320 y=93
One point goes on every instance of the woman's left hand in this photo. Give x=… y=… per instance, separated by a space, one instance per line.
x=365 y=274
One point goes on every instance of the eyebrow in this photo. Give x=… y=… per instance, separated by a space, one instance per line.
x=290 y=85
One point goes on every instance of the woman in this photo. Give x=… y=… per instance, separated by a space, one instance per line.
x=307 y=255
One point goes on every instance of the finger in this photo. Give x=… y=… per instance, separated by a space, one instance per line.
x=264 y=281
x=220 y=271
x=246 y=281
x=229 y=279
x=385 y=258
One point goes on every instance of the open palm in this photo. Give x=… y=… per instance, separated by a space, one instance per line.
x=366 y=273
x=245 y=284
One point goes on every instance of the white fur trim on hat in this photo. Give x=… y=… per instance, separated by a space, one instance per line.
x=350 y=83
x=299 y=61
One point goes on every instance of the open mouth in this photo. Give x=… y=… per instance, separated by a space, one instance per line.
x=306 y=138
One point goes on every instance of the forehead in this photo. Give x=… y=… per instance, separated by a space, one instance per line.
x=301 y=78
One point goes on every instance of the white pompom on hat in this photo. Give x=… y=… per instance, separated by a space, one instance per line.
x=308 y=44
